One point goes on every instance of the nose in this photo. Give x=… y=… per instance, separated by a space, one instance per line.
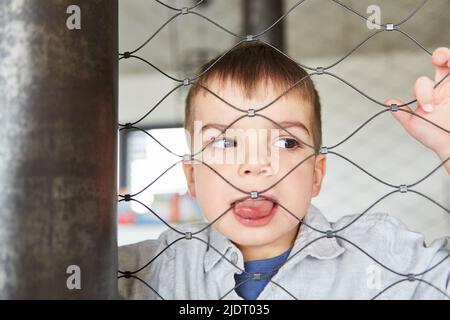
x=256 y=157
x=257 y=169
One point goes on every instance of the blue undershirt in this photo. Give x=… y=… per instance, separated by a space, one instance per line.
x=251 y=287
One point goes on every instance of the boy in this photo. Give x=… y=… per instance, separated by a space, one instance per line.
x=264 y=239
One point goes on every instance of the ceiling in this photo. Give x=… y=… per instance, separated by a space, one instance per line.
x=315 y=28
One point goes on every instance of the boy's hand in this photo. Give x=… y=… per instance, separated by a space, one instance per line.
x=433 y=105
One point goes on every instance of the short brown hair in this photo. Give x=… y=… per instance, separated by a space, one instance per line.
x=247 y=65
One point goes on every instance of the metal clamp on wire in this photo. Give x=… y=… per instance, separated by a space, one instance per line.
x=254 y=194
x=251 y=113
x=394 y=107
x=187 y=157
x=256 y=276
x=411 y=277
x=390 y=27
x=403 y=188
x=319 y=70
x=249 y=37
x=188 y=235
x=323 y=150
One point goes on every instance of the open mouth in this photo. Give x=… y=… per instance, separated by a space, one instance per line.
x=255 y=212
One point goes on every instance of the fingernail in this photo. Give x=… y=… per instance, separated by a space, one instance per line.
x=428 y=108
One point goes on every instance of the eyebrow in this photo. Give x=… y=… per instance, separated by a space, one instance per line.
x=283 y=124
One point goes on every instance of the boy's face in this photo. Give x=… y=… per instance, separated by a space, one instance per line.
x=255 y=155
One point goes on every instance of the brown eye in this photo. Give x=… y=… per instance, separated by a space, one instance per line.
x=287 y=143
x=223 y=143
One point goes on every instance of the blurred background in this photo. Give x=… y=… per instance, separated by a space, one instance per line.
x=316 y=33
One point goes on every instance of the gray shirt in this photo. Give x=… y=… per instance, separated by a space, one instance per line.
x=347 y=266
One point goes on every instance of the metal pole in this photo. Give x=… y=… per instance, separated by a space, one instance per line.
x=58 y=150
x=259 y=15
x=123 y=162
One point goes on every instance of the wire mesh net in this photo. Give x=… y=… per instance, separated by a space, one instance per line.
x=330 y=76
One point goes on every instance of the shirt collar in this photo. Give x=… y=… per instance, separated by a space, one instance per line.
x=325 y=248
x=217 y=242
x=306 y=242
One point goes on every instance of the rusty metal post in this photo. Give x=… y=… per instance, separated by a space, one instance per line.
x=58 y=149
x=260 y=14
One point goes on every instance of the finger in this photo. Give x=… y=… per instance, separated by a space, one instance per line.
x=441 y=57
x=441 y=60
x=424 y=92
x=402 y=117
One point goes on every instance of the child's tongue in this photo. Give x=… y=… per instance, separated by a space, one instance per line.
x=253 y=209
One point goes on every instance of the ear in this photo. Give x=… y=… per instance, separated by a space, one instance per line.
x=188 y=169
x=319 y=173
